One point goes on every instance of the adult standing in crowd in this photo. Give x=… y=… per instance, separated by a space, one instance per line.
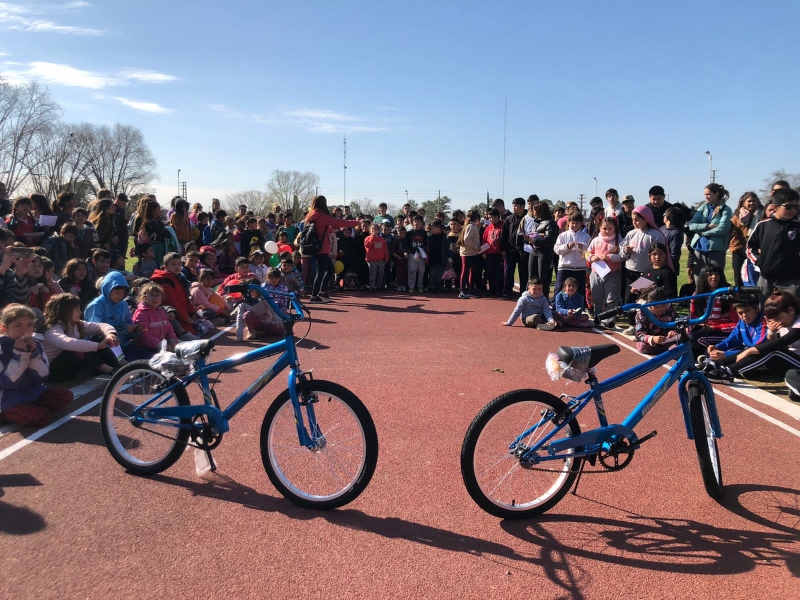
x=658 y=204
x=324 y=222
x=711 y=226
x=540 y=231
x=748 y=212
x=121 y=223
x=514 y=256
x=774 y=246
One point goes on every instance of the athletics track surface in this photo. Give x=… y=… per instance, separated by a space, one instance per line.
x=74 y=524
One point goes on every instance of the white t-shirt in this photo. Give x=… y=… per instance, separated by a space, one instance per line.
x=785 y=331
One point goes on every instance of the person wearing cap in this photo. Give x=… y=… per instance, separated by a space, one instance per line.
x=511 y=241
x=658 y=204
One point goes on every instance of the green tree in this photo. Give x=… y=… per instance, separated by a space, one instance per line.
x=437 y=205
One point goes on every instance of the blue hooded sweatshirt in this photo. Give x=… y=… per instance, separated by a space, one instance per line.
x=102 y=310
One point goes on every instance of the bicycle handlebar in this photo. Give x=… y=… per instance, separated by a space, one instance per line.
x=243 y=288
x=621 y=310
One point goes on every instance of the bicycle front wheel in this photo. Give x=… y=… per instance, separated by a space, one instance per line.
x=142 y=448
x=495 y=476
x=345 y=452
x=705 y=442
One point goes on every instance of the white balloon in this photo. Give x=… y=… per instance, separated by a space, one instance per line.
x=271 y=247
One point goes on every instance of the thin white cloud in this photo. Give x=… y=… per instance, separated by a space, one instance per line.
x=328 y=121
x=26 y=18
x=57 y=74
x=219 y=108
x=148 y=107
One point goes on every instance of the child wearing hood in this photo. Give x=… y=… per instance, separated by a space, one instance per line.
x=110 y=307
x=153 y=320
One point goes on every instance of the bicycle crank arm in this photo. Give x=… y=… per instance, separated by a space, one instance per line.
x=635 y=445
x=594 y=437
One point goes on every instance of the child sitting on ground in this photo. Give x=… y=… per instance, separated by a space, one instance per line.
x=750 y=331
x=257 y=266
x=650 y=338
x=292 y=278
x=534 y=308
x=175 y=295
x=153 y=320
x=570 y=306
x=190 y=269
x=146 y=265
x=24 y=398
x=68 y=341
x=211 y=305
x=208 y=260
x=274 y=284
x=110 y=308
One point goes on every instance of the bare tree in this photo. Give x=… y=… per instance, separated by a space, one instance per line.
x=286 y=187
x=118 y=159
x=363 y=206
x=792 y=178
x=28 y=116
x=259 y=202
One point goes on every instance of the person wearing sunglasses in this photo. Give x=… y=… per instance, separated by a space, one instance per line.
x=775 y=245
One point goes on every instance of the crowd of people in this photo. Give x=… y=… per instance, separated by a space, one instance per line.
x=70 y=305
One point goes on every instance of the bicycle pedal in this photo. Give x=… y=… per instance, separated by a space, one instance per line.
x=643 y=439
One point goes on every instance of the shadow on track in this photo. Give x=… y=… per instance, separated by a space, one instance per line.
x=19 y=520
x=411 y=308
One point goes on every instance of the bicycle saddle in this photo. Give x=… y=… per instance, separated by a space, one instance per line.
x=597 y=353
x=192 y=350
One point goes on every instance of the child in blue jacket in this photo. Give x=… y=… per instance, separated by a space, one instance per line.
x=110 y=307
x=571 y=306
x=750 y=331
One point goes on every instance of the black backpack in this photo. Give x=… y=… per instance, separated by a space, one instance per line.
x=310 y=244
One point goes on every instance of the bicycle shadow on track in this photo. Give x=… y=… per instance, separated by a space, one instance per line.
x=411 y=308
x=767 y=505
x=19 y=520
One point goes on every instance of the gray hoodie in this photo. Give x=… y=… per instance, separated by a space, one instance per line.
x=527 y=305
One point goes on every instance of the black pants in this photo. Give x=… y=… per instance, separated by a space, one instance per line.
x=778 y=362
x=738 y=259
x=68 y=364
x=493 y=264
x=324 y=273
x=540 y=264
x=515 y=260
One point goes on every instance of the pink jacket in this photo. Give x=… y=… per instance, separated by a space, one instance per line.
x=56 y=340
x=155 y=326
x=201 y=297
x=323 y=222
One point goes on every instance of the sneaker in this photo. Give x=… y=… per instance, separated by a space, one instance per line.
x=546 y=326
x=629 y=331
x=189 y=337
x=506 y=297
x=316 y=300
x=720 y=375
x=463 y=296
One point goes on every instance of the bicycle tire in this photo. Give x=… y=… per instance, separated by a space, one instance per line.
x=705 y=443
x=125 y=441
x=324 y=478
x=485 y=472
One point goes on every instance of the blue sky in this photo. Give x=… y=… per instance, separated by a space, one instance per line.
x=632 y=93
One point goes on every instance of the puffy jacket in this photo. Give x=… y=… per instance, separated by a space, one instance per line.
x=574 y=258
x=176 y=297
x=201 y=297
x=547 y=233
x=102 y=310
x=720 y=234
x=155 y=326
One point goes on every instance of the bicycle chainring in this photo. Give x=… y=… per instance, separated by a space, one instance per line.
x=617 y=456
x=204 y=435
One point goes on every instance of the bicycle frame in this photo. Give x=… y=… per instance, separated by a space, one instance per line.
x=682 y=372
x=152 y=412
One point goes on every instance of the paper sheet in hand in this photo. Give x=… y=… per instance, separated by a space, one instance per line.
x=117 y=350
x=484 y=248
x=642 y=284
x=48 y=221
x=601 y=268
x=421 y=254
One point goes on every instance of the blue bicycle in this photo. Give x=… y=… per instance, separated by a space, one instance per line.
x=319 y=446
x=524 y=449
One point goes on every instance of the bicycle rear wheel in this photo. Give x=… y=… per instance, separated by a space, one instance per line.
x=142 y=448
x=705 y=442
x=492 y=471
x=339 y=468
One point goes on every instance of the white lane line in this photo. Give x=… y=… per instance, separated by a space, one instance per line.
x=83 y=387
x=45 y=430
x=718 y=392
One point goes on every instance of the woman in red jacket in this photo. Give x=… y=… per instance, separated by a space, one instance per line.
x=323 y=222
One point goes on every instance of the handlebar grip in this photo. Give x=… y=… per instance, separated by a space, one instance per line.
x=236 y=289
x=610 y=313
x=748 y=290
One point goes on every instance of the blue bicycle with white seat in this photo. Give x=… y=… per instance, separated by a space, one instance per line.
x=525 y=449
x=318 y=444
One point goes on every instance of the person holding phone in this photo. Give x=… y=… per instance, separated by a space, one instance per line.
x=14 y=286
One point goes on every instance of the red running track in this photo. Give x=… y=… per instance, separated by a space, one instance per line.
x=74 y=524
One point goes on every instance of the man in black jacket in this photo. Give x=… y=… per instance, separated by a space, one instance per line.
x=121 y=223
x=513 y=254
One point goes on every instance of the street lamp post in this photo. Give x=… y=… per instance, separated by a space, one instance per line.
x=710 y=167
x=406 y=196
x=595 y=186
x=179 y=182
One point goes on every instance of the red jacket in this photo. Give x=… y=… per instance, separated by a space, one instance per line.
x=492 y=236
x=322 y=223
x=176 y=297
x=376 y=249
